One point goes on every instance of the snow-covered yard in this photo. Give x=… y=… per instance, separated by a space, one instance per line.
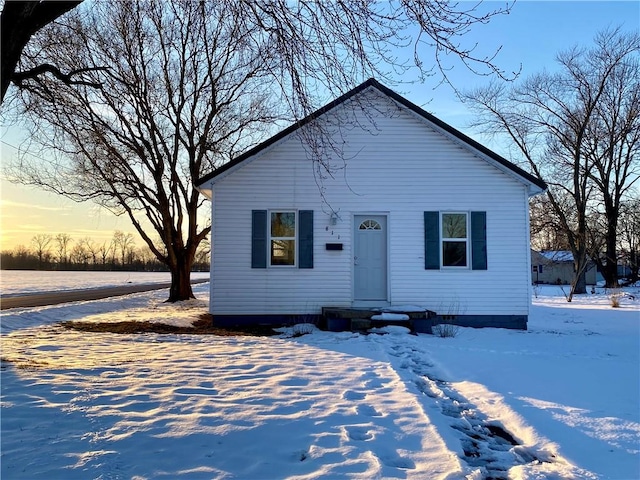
x=560 y=400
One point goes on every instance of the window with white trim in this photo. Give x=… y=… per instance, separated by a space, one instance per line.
x=282 y=238
x=454 y=230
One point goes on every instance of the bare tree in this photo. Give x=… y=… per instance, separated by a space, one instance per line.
x=92 y=248
x=63 y=241
x=124 y=244
x=21 y=252
x=550 y=118
x=104 y=250
x=203 y=254
x=597 y=238
x=629 y=238
x=546 y=228
x=79 y=255
x=191 y=84
x=42 y=245
x=145 y=256
x=613 y=147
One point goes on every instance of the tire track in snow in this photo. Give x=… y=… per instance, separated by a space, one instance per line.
x=486 y=444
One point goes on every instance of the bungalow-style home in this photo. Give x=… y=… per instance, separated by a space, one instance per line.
x=556 y=267
x=401 y=210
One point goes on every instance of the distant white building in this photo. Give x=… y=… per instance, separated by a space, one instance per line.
x=419 y=214
x=556 y=267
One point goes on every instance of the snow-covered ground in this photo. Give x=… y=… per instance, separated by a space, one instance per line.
x=558 y=401
x=22 y=282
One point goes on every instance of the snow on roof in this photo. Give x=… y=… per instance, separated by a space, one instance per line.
x=557 y=255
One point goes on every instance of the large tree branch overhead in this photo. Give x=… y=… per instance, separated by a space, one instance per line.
x=19 y=21
x=70 y=78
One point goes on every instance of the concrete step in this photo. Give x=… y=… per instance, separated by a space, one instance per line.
x=360 y=324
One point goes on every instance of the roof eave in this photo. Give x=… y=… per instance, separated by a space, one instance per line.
x=284 y=133
x=535 y=185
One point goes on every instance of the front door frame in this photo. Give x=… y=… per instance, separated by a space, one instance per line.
x=370 y=303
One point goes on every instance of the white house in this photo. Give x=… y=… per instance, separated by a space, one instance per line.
x=413 y=213
x=556 y=266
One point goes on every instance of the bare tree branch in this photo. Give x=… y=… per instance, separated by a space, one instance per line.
x=579 y=129
x=71 y=78
x=19 y=21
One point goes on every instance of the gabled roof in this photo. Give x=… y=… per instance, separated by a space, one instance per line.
x=456 y=134
x=557 y=255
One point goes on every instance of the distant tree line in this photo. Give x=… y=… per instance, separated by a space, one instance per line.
x=547 y=235
x=62 y=252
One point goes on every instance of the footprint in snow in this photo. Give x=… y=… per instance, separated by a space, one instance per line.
x=195 y=391
x=351 y=395
x=295 y=382
x=392 y=459
x=359 y=433
x=47 y=348
x=368 y=411
x=425 y=388
x=373 y=383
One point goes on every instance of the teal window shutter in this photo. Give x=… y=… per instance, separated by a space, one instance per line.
x=478 y=240
x=305 y=239
x=258 y=239
x=431 y=240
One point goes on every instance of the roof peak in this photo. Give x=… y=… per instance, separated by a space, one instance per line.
x=372 y=82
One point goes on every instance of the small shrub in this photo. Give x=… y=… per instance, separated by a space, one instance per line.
x=300 y=329
x=303 y=324
x=446 y=330
x=614 y=299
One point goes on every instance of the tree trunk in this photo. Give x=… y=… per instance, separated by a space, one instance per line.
x=579 y=283
x=180 y=281
x=634 y=267
x=610 y=271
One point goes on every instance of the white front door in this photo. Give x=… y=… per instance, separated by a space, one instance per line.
x=370 y=258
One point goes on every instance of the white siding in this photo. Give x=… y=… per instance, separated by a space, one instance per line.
x=402 y=167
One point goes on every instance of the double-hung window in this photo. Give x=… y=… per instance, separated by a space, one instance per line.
x=282 y=238
x=455 y=239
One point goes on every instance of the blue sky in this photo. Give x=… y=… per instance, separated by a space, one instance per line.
x=530 y=36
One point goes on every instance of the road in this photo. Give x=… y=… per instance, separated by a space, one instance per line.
x=54 y=298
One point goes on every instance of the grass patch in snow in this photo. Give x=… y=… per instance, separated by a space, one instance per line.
x=202 y=326
x=614 y=298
